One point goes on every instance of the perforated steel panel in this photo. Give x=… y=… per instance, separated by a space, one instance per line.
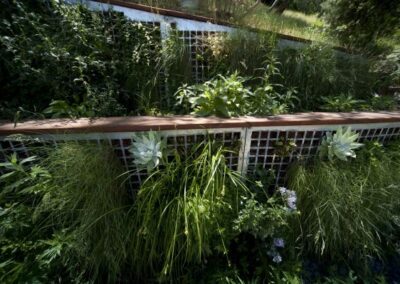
x=182 y=141
x=262 y=149
x=197 y=43
x=250 y=147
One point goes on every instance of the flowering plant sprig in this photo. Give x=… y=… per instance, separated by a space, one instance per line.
x=290 y=197
x=277 y=243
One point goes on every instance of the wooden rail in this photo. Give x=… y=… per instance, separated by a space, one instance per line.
x=144 y=123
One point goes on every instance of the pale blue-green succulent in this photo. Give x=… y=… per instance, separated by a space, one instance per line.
x=341 y=144
x=147 y=150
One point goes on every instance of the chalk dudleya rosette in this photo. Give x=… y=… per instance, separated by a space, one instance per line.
x=147 y=150
x=341 y=144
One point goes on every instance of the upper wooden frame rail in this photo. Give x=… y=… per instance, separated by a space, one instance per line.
x=145 y=123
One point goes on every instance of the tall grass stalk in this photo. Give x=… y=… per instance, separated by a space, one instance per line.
x=348 y=208
x=181 y=209
x=318 y=71
x=175 y=67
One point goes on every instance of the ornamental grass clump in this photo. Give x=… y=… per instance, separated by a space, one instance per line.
x=348 y=209
x=88 y=198
x=181 y=210
x=63 y=216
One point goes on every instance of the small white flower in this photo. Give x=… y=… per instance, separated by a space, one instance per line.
x=291 y=202
x=277 y=258
x=282 y=190
x=290 y=196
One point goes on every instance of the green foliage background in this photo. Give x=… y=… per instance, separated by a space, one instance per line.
x=360 y=23
x=98 y=63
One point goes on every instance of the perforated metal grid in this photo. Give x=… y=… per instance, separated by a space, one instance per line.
x=197 y=42
x=182 y=141
x=263 y=151
x=251 y=147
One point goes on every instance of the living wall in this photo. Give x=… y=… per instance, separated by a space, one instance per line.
x=61 y=60
x=67 y=215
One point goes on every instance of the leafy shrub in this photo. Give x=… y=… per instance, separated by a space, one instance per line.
x=359 y=23
x=223 y=96
x=29 y=252
x=182 y=210
x=379 y=102
x=34 y=248
x=341 y=103
x=388 y=66
x=96 y=62
x=263 y=247
x=270 y=98
x=228 y=96
x=262 y=220
x=348 y=209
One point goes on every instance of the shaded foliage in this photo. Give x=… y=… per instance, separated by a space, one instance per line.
x=96 y=63
x=360 y=23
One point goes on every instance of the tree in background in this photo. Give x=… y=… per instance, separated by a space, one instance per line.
x=359 y=23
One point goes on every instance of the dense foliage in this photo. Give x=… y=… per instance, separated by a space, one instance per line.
x=62 y=60
x=84 y=63
x=67 y=216
x=308 y=78
x=228 y=96
x=306 y=6
x=57 y=216
x=360 y=23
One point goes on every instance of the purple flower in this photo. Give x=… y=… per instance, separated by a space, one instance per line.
x=290 y=196
x=279 y=243
x=291 y=202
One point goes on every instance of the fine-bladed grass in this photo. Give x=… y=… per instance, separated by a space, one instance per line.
x=348 y=209
x=181 y=210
